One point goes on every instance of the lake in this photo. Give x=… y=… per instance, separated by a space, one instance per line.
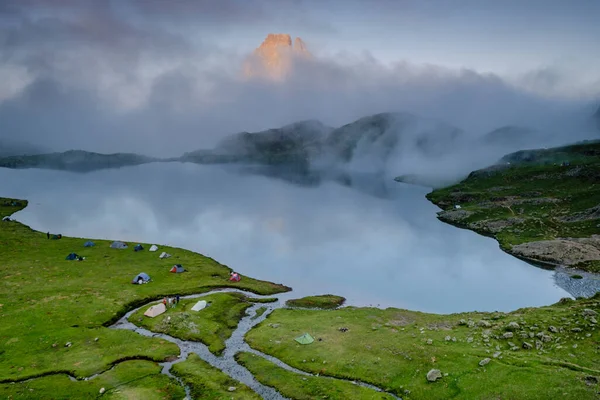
x=380 y=247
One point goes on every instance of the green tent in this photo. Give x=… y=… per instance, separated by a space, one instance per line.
x=305 y=339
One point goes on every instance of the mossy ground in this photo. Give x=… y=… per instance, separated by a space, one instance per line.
x=326 y=301
x=390 y=349
x=299 y=387
x=47 y=301
x=207 y=382
x=540 y=191
x=211 y=326
x=128 y=380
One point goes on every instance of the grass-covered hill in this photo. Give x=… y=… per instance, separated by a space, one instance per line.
x=541 y=205
x=54 y=313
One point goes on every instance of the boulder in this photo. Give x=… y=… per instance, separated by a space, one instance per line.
x=484 y=362
x=433 y=375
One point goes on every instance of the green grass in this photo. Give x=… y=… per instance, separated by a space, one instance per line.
x=211 y=326
x=259 y=312
x=515 y=191
x=47 y=301
x=299 y=387
x=386 y=348
x=207 y=382
x=128 y=380
x=326 y=301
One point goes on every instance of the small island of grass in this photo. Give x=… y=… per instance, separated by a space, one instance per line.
x=326 y=301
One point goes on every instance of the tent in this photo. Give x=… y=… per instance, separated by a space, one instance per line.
x=155 y=310
x=199 y=305
x=177 y=268
x=164 y=255
x=55 y=237
x=138 y=247
x=118 y=245
x=6 y=219
x=235 y=277
x=153 y=247
x=142 y=276
x=72 y=256
x=89 y=243
x=305 y=339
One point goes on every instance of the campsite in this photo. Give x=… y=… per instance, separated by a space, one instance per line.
x=79 y=302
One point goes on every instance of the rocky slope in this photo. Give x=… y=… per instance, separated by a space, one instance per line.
x=274 y=59
x=541 y=205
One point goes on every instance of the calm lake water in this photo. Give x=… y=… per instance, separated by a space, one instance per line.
x=382 y=250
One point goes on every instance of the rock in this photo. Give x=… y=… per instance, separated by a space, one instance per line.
x=447 y=338
x=587 y=312
x=102 y=390
x=553 y=329
x=484 y=362
x=538 y=345
x=497 y=354
x=470 y=324
x=590 y=380
x=231 y=388
x=514 y=348
x=54 y=344
x=507 y=335
x=469 y=339
x=453 y=339
x=566 y=252
x=274 y=58
x=483 y=323
x=429 y=341
x=527 y=346
x=575 y=329
x=433 y=375
x=462 y=322
x=274 y=325
x=511 y=344
x=96 y=339
x=575 y=346
x=593 y=320
x=68 y=344
x=546 y=338
x=512 y=326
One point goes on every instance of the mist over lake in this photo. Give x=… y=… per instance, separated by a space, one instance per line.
x=383 y=248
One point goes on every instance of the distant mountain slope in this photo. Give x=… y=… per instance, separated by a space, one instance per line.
x=75 y=160
x=294 y=144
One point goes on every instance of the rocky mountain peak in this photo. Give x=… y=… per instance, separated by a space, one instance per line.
x=274 y=58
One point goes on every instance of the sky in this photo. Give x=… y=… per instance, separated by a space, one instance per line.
x=164 y=77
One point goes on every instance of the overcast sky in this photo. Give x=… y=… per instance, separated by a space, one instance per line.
x=164 y=76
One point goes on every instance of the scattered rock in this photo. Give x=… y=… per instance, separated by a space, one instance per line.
x=54 y=344
x=593 y=320
x=497 y=354
x=429 y=341
x=507 y=335
x=513 y=326
x=470 y=324
x=575 y=346
x=231 y=388
x=462 y=322
x=484 y=362
x=590 y=380
x=68 y=344
x=434 y=375
x=274 y=325
x=553 y=329
x=527 y=346
x=587 y=312
x=447 y=338
x=453 y=339
x=546 y=338
x=538 y=345
x=469 y=339
x=575 y=329
x=484 y=323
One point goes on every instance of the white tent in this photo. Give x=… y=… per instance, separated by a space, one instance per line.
x=153 y=247
x=199 y=305
x=164 y=255
x=155 y=310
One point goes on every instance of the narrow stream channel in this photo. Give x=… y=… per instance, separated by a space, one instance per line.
x=235 y=344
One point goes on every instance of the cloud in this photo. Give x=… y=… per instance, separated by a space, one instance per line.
x=127 y=76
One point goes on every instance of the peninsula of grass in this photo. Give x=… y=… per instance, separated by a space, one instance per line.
x=212 y=325
x=531 y=353
x=326 y=301
x=300 y=387
x=208 y=383
x=128 y=380
x=541 y=205
x=54 y=313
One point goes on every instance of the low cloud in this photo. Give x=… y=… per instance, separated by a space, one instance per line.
x=98 y=77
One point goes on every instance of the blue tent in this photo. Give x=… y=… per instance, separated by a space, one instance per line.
x=72 y=256
x=138 y=247
x=89 y=243
x=142 y=277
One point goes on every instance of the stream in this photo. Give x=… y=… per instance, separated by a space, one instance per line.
x=235 y=344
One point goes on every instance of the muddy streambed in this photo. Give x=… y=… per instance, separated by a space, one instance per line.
x=235 y=344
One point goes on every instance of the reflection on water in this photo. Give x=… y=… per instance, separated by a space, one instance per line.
x=321 y=238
